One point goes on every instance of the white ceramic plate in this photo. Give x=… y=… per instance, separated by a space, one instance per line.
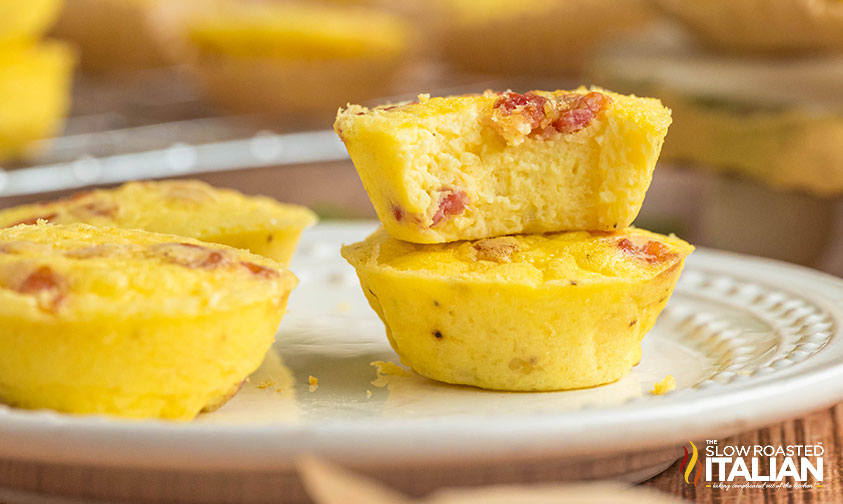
x=749 y=341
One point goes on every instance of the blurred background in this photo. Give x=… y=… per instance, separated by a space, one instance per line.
x=242 y=93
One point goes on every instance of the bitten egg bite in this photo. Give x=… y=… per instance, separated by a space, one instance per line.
x=476 y=166
x=182 y=207
x=131 y=323
x=524 y=313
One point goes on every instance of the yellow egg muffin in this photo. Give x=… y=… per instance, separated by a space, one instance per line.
x=276 y=59
x=35 y=82
x=540 y=37
x=527 y=312
x=762 y=25
x=778 y=122
x=26 y=20
x=181 y=207
x=130 y=323
x=475 y=166
x=121 y=35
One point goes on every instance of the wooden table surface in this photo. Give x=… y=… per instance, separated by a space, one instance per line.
x=824 y=426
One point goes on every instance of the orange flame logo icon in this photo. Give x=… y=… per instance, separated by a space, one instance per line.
x=687 y=466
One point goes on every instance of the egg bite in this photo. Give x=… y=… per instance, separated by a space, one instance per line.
x=26 y=20
x=181 y=207
x=475 y=166
x=761 y=25
x=279 y=59
x=778 y=122
x=35 y=82
x=131 y=323
x=115 y=36
x=538 y=38
x=522 y=313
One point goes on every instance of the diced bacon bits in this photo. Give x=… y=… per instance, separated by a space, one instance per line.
x=261 y=271
x=39 y=280
x=190 y=255
x=529 y=106
x=101 y=250
x=195 y=256
x=398 y=213
x=652 y=251
x=48 y=288
x=95 y=208
x=453 y=202
x=579 y=111
x=517 y=116
x=499 y=249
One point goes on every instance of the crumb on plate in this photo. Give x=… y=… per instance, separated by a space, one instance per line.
x=664 y=386
x=266 y=384
x=387 y=369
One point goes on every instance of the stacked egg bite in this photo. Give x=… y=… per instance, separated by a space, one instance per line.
x=507 y=259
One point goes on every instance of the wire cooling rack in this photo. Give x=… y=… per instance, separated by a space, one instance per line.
x=154 y=124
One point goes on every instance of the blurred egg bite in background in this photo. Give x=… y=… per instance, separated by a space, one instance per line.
x=35 y=77
x=758 y=120
x=762 y=25
x=270 y=58
x=26 y=20
x=123 y=35
x=540 y=38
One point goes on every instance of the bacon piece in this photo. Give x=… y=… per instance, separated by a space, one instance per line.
x=101 y=250
x=652 y=251
x=528 y=105
x=96 y=208
x=39 y=280
x=518 y=116
x=46 y=286
x=261 y=271
x=452 y=203
x=579 y=111
x=499 y=249
x=398 y=213
x=190 y=255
